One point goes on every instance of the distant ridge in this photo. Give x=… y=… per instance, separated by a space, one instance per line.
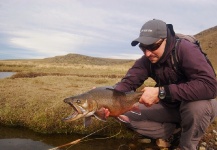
x=82 y=59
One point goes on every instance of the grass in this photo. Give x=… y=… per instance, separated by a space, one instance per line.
x=64 y=68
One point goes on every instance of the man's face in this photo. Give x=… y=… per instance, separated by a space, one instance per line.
x=154 y=51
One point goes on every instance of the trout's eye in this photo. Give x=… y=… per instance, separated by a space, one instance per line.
x=78 y=101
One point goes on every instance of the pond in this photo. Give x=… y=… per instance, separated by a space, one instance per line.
x=23 y=139
x=6 y=74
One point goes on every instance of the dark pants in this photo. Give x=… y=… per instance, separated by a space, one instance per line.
x=158 y=121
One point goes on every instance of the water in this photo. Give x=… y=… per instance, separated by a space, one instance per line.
x=25 y=144
x=23 y=139
x=6 y=74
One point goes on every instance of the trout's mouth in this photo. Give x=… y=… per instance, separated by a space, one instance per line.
x=77 y=112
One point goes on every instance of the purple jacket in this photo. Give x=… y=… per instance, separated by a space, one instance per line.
x=197 y=82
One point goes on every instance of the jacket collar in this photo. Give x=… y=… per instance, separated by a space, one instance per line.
x=170 y=43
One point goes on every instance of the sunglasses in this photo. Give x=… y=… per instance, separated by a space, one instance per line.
x=151 y=47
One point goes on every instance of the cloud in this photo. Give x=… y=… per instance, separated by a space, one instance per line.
x=126 y=56
x=96 y=28
x=47 y=42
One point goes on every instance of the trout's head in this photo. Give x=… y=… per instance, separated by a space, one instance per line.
x=81 y=107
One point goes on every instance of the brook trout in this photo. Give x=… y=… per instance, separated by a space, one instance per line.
x=91 y=103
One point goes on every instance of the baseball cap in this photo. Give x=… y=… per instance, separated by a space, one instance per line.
x=151 y=32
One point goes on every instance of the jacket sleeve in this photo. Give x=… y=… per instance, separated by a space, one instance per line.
x=201 y=81
x=135 y=76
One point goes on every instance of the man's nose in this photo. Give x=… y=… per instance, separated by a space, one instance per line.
x=147 y=52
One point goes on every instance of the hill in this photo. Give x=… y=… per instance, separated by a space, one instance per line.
x=208 y=41
x=82 y=59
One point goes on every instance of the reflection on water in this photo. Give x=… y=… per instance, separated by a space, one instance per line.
x=6 y=74
x=24 y=139
x=24 y=144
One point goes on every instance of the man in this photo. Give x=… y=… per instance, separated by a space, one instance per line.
x=185 y=99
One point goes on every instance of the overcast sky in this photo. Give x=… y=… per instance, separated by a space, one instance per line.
x=100 y=28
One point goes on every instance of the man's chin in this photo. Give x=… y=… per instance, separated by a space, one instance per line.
x=153 y=61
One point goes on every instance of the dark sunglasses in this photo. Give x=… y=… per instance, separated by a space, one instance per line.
x=151 y=47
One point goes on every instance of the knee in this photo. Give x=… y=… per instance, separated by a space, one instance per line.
x=196 y=117
x=196 y=107
x=195 y=110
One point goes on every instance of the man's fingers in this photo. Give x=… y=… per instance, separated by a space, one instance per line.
x=107 y=113
x=143 y=90
x=146 y=104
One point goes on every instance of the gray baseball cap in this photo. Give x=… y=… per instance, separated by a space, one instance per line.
x=151 y=32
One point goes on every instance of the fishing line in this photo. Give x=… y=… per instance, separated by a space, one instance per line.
x=81 y=139
x=104 y=137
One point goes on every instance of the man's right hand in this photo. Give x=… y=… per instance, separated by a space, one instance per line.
x=149 y=96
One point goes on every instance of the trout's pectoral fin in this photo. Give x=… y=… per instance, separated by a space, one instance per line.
x=135 y=109
x=136 y=112
x=87 y=121
x=123 y=119
x=100 y=114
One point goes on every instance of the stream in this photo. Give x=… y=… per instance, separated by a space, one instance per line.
x=6 y=74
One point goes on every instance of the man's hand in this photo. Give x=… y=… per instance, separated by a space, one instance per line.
x=107 y=112
x=150 y=96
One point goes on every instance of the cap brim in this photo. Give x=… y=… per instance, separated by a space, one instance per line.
x=144 y=40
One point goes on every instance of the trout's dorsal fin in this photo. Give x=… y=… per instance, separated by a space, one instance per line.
x=116 y=92
x=100 y=114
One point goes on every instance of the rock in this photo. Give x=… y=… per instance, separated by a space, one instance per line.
x=214 y=131
x=162 y=143
x=203 y=144
x=145 y=140
x=202 y=148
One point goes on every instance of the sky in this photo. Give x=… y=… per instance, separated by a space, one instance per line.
x=36 y=29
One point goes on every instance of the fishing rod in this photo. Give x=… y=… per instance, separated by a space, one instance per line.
x=78 y=140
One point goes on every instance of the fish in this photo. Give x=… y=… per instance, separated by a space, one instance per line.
x=93 y=103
